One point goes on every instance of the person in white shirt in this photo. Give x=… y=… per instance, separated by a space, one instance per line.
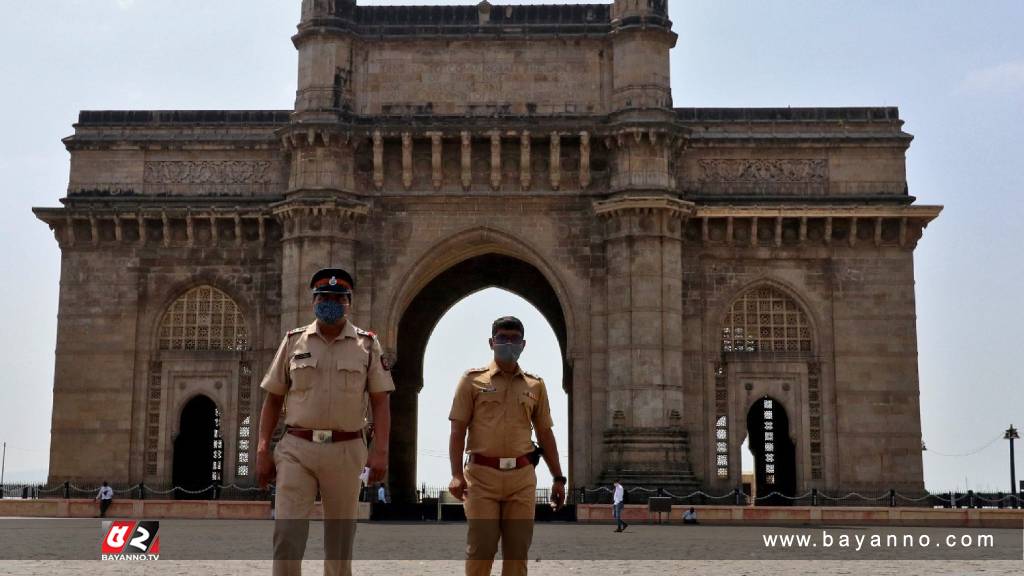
x=618 y=502
x=381 y=494
x=106 y=498
x=690 y=516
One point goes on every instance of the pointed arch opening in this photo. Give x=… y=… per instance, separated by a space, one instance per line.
x=417 y=323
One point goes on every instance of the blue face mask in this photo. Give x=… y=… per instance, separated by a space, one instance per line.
x=508 y=353
x=330 y=312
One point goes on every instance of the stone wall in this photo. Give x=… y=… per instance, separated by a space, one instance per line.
x=476 y=78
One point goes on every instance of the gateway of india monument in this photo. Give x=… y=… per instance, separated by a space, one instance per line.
x=712 y=275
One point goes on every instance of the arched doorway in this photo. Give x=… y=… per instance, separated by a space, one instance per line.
x=418 y=322
x=774 y=453
x=198 y=449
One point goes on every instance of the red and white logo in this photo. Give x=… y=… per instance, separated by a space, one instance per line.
x=130 y=540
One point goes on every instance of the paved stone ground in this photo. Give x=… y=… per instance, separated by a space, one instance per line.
x=55 y=539
x=557 y=568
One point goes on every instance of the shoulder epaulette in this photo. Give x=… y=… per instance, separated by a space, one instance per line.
x=362 y=332
x=534 y=376
x=296 y=331
x=476 y=370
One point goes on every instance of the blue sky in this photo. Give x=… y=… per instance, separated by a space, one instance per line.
x=955 y=69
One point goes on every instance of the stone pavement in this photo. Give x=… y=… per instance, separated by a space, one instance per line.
x=553 y=568
x=45 y=548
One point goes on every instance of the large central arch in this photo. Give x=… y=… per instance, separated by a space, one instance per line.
x=431 y=301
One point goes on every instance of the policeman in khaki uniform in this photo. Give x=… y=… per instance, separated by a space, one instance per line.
x=499 y=406
x=322 y=374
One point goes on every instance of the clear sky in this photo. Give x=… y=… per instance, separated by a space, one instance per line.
x=955 y=69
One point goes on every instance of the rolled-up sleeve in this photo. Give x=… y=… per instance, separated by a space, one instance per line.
x=276 y=379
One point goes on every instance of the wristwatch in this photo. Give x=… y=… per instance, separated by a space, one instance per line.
x=561 y=479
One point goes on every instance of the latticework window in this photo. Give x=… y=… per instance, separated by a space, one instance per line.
x=244 y=431
x=722 y=446
x=244 y=445
x=766 y=320
x=814 y=406
x=721 y=423
x=204 y=318
x=218 y=449
x=769 y=440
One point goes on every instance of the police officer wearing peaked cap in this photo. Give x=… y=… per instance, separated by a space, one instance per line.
x=323 y=373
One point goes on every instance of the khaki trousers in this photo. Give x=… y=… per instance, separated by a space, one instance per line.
x=303 y=469
x=500 y=504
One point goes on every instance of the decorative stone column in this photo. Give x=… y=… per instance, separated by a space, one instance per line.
x=321 y=212
x=644 y=442
x=316 y=234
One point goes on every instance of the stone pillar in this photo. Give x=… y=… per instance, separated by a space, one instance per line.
x=316 y=234
x=644 y=441
x=319 y=215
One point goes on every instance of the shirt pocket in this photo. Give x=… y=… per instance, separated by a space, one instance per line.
x=302 y=373
x=488 y=409
x=526 y=407
x=352 y=373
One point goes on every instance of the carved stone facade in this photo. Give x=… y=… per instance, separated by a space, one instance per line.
x=694 y=263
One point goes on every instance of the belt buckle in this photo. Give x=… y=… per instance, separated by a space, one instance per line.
x=323 y=436
x=507 y=463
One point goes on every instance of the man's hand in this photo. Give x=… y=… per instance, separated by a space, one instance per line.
x=457 y=487
x=558 y=494
x=265 y=469
x=377 y=462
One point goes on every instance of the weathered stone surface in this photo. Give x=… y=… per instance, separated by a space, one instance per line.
x=530 y=147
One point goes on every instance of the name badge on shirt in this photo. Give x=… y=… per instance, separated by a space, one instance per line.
x=487 y=390
x=303 y=356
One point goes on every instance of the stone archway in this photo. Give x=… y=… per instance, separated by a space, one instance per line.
x=774 y=452
x=417 y=323
x=198 y=448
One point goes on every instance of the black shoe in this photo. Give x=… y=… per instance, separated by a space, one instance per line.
x=624 y=526
x=618 y=529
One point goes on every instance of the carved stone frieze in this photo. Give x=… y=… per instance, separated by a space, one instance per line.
x=761 y=176
x=208 y=172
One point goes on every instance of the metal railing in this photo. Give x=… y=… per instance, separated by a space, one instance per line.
x=596 y=495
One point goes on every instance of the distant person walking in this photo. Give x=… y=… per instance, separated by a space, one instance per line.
x=106 y=498
x=618 y=503
x=382 y=495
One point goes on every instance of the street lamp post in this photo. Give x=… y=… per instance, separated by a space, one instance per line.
x=1011 y=435
x=3 y=467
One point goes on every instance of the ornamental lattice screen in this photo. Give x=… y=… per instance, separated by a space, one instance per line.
x=765 y=320
x=204 y=318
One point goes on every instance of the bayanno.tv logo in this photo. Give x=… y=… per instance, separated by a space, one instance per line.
x=130 y=540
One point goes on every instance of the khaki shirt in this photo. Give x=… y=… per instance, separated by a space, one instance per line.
x=325 y=384
x=501 y=410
